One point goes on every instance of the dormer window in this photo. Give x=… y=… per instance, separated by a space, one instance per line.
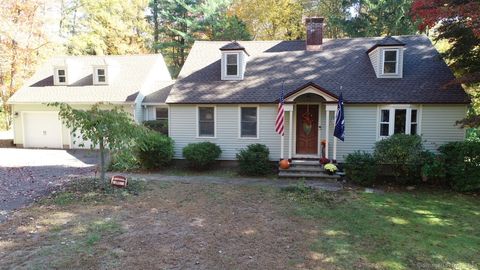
x=390 y=62
x=386 y=57
x=60 y=75
x=100 y=75
x=233 y=61
x=232 y=64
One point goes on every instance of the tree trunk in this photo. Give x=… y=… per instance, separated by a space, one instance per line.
x=102 y=160
x=156 y=26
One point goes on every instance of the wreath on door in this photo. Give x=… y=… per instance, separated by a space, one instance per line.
x=307 y=122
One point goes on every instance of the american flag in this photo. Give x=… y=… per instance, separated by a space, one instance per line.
x=280 y=121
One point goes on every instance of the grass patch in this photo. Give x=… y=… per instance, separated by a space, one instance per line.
x=90 y=190
x=423 y=230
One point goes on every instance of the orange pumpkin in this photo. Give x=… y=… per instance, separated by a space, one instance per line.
x=284 y=164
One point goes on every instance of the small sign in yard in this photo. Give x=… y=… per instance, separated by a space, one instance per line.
x=119 y=181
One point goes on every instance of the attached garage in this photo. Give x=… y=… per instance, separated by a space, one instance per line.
x=42 y=130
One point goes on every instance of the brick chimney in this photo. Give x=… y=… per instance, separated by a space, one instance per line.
x=314 y=33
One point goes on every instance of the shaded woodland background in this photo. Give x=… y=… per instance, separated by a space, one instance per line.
x=33 y=30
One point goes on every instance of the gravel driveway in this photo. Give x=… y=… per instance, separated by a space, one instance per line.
x=26 y=174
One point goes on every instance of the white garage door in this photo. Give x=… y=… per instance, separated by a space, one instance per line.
x=42 y=129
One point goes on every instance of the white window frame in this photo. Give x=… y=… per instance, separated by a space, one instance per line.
x=168 y=116
x=56 y=77
x=240 y=122
x=95 y=75
x=397 y=66
x=391 y=122
x=226 y=65
x=214 y=121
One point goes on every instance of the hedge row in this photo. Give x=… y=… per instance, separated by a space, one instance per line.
x=402 y=159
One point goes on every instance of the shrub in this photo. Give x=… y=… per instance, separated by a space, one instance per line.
x=124 y=160
x=462 y=163
x=254 y=160
x=401 y=154
x=201 y=155
x=433 y=167
x=154 y=150
x=157 y=125
x=360 y=168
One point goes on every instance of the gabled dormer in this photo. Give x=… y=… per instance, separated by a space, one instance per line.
x=60 y=75
x=386 y=57
x=234 y=61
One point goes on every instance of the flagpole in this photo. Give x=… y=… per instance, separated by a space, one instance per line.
x=335 y=143
x=282 y=142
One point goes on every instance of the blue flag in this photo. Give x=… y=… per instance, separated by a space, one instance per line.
x=340 y=121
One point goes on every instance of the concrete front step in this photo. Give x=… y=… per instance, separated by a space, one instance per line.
x=317 y=175
x=305 y=162
x=303 y=168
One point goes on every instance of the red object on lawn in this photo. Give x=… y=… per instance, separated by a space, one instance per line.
x=119 y=181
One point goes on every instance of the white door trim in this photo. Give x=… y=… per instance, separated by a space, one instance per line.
x=295 y=154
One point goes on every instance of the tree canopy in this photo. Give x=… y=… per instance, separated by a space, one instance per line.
x=109 y=129
x=105 y=27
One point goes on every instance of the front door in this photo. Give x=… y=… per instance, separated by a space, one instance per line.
x=307 y=129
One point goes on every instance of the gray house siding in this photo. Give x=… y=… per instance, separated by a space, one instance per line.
x=438 y=124
x=183 y=129
x=360 y=130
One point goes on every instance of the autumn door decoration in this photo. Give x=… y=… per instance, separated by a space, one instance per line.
x=307 y=122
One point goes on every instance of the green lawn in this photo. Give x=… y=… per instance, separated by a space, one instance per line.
x=420 y=230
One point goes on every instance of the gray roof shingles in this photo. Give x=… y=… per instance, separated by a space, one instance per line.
x=127 y=75
x=159 y=96
x=341 y=66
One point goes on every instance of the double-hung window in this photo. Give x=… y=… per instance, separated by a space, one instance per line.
x=248 y=122
x=206 y=121
x=100 y=75
x=390 y=62
x=161 y=115
x=60 y=76
x=232 y=64
x=398 y=120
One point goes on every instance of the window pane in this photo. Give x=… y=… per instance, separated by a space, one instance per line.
x=414 y=116
x=248 y=122
x=384 y=129
x=231 y=59
x=206 y=125
x=101 y=78
x=101 y=71
x=162 y=113
x=413 y=129
x=61 y=72
x=62 y=79
x=207 y=129
x=249 y=114
x=400 y=119
x=389 y=67
x=391 y=56
x=232 y=69
x=249 y=129
x=206 y=114
x=385 y=116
